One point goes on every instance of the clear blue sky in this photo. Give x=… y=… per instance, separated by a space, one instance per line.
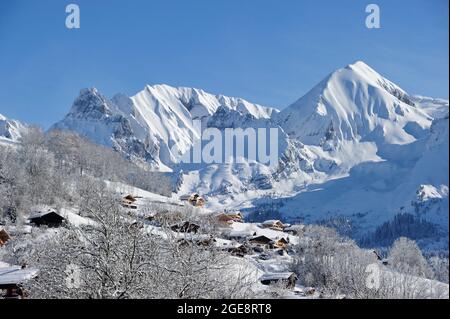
x=269 y=52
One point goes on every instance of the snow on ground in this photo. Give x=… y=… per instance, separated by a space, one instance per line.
x=71 y=215
x=417 y=286
x=125 y=189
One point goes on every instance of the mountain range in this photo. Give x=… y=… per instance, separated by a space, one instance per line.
x=356 y=147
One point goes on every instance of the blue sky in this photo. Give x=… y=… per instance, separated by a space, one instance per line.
x=269 y=52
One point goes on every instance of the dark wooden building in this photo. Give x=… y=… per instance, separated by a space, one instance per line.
x=286 y=279
x=261 y=241
x=48 y=218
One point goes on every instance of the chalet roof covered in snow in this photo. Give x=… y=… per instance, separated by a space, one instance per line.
x=241 y=233
x=42 y=212
x=13 y=275
x=277 y=276
x=260 y=238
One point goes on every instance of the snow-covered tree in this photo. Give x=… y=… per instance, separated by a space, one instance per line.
x=405 y=257
x=334 y=264
x=440 y=266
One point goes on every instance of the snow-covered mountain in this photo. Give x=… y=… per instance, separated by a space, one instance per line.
x=97 y=118
x=156 y=125
x=11 y=130
x=354 y=103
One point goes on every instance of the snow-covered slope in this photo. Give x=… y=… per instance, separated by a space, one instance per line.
x=11 y=130
x=411 y=179
x=436 y=108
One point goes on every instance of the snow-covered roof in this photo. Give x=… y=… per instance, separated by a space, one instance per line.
x=15 y=275
x=43 y=212
x=240 y=233
x=276 y=276
x=260 y=237
x=74 y=219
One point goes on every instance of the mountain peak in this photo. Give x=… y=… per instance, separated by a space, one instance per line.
x=91 y=103
x=351 y=103
x=359 y=65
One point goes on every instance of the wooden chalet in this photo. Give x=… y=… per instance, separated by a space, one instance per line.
x=261 y=241
x=129 y=201
x=229 y=218
x=47 y=217
x=281 y=243
x=12 y=278
x=194 y=199
x=286 y=279
x=273 y=224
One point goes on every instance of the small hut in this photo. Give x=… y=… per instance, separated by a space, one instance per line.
x=129 y=202
x=287 y=279
x=273 y=224
x=130 y=198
